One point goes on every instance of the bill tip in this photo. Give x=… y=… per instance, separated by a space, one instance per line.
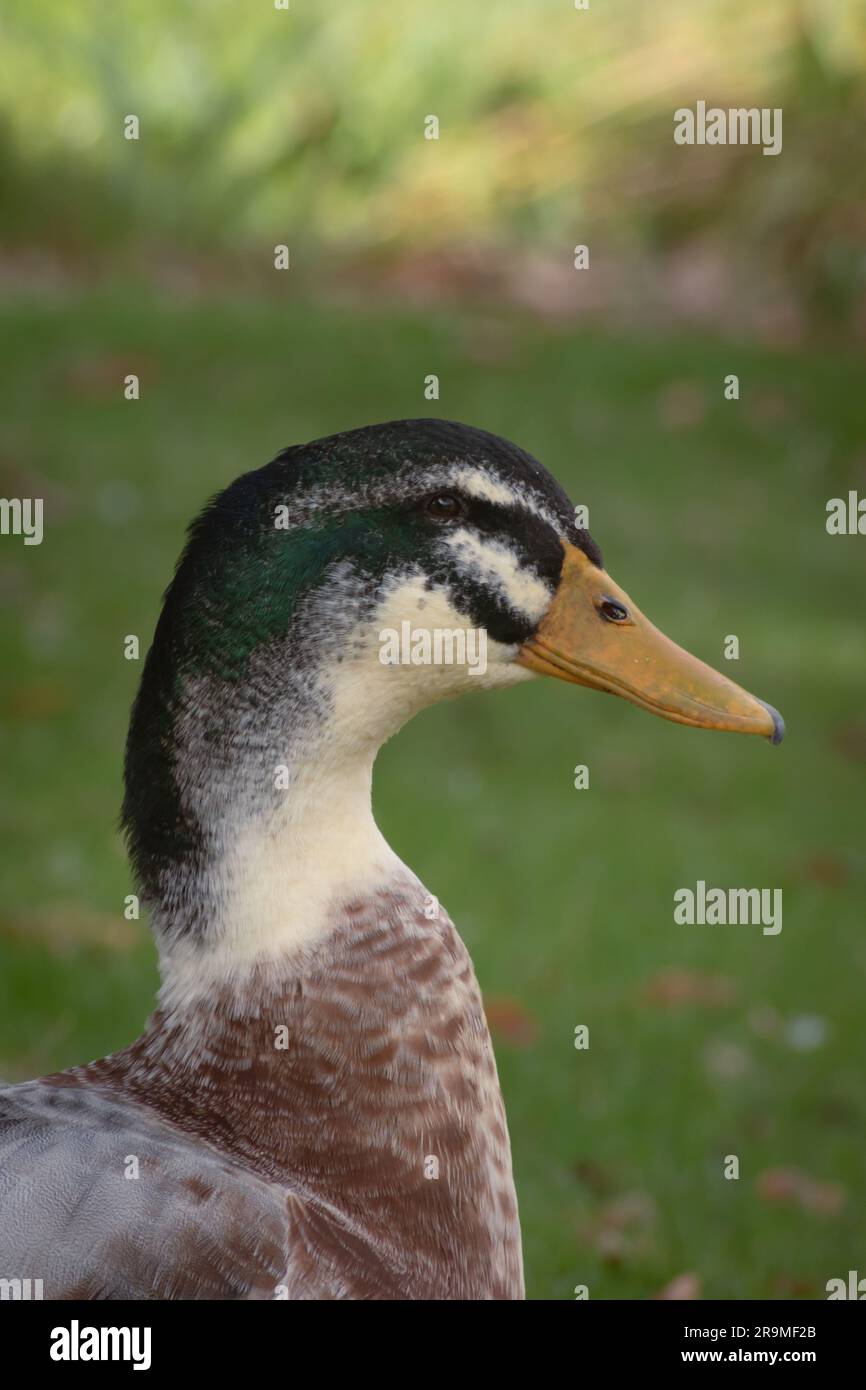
x=778 y=723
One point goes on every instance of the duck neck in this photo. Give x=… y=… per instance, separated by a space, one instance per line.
x=294 y=843
x=248 y=808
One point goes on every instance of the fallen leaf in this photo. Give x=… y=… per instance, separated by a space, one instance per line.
x=794 y=1286
x=826 y=868
x=593 y=1176
x=795 y=1186
x=39 y=700
x=509 y=1020
x=675 y=987
x=623 y=1228
x=681 y=1289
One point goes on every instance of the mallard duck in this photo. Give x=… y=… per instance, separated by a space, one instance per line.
x=313 y=1111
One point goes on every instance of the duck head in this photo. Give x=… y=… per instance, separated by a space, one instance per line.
x=269 y=686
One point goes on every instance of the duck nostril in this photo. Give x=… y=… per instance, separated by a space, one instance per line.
x=613 y=611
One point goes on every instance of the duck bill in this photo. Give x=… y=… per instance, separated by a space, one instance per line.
x=592 y=634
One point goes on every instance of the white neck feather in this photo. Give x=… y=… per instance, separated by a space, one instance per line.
x=285 y=880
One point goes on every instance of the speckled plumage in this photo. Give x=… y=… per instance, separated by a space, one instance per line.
x=298 y=1172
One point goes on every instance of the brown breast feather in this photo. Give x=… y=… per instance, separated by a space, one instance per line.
x=388 y=1076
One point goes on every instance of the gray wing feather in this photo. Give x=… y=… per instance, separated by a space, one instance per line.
x=190 y=1225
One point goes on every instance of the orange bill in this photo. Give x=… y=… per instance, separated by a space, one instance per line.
x=592 y=634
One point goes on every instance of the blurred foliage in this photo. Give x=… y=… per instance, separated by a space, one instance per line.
x=261 y=125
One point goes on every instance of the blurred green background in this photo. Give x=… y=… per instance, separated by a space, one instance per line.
x=454 y=257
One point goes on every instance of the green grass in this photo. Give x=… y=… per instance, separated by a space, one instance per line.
x=565 y=898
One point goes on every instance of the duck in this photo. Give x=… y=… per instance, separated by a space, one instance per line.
x=313 y=1111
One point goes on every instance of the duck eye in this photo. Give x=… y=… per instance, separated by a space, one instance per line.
x=444 y=506
x=611 y=610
